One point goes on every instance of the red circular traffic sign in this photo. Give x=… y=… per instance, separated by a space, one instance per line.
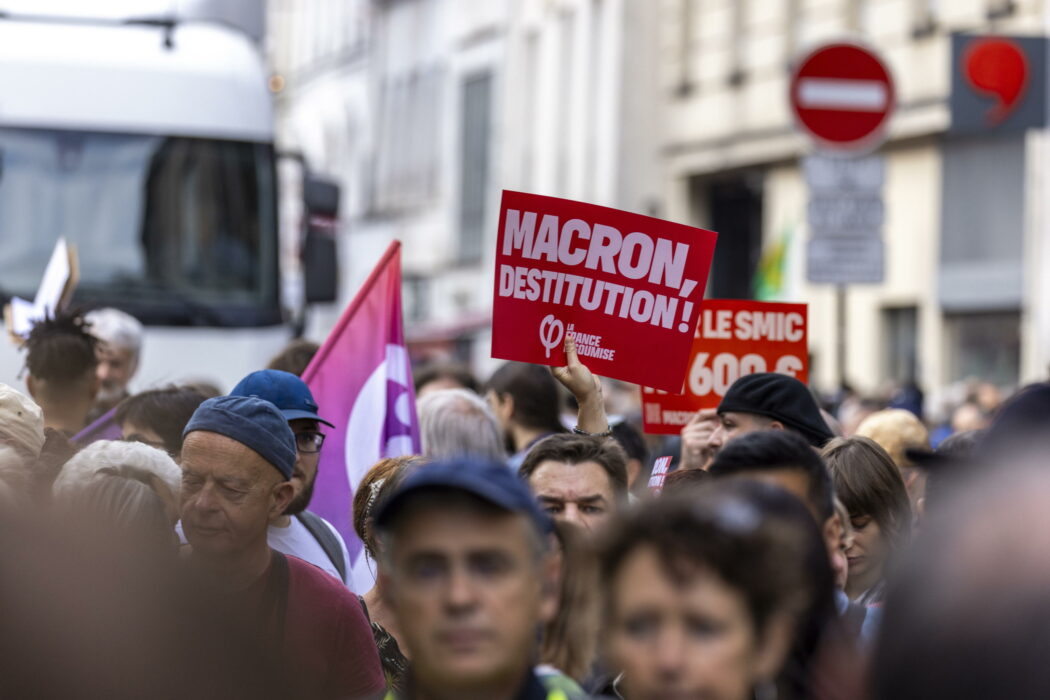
x=842 y=95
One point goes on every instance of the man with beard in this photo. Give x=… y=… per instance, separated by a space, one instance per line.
x=119 y=350
x=298 y=531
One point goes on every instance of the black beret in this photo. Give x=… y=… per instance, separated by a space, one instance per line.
x=781 y=398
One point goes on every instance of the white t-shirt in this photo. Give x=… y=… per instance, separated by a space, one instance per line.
x=297 y=541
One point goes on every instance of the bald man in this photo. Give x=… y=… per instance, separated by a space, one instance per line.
x=237 y=460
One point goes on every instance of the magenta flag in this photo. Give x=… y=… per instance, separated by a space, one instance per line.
x=362 y=381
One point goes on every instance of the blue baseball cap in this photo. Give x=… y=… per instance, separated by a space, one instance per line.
x=250 y=421
x=284 y=390
x=492 y=482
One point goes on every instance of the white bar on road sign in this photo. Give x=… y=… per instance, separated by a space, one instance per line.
x=844 y=95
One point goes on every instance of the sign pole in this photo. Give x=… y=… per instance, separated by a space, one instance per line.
x=841 y=339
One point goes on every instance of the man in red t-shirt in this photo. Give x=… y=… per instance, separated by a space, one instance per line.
x=237 y=458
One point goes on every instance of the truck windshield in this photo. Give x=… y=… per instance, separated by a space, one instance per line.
x=174 y=230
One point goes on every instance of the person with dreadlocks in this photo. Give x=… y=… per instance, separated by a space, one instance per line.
x=61 y=357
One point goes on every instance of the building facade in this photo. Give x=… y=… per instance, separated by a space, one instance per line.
x=964 y=224
x=424 y=110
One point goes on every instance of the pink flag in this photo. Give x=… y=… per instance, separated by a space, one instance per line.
x=362 y=382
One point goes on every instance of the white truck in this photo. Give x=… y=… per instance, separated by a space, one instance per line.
x=147 y=141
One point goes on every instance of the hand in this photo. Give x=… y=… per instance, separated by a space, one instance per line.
x=575 y=376
x=586 y=387
x=695 y=436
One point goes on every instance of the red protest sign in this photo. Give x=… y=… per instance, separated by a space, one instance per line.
x=656 y=481
x=627 y=287
x=733 y=338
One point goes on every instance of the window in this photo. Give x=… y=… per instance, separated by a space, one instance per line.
x=174 y=230
x=685 y=83
x=408 y=156
x=924 y=17
x=982 y=191
x=998 y=9
x=473 y=181
x=738 y=42
x=735 y=212
x=985 y=345
x=900 y=344
x=567 y=68
x=418 y=298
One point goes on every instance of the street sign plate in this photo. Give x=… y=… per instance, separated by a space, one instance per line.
x=845 y=260
x=836 y=174
x=846 y=215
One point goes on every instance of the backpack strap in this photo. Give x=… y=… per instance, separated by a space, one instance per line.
x=326 y=538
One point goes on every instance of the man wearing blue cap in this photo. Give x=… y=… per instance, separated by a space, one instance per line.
x=237 y=460
x=464 y=568
x=297 y=531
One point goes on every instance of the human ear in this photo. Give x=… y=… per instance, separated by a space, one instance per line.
x=776 y=425
x=773 y=646
x=31 y=385
x=506 y=406
x=282 y=495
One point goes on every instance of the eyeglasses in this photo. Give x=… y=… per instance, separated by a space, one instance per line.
x=309 y=442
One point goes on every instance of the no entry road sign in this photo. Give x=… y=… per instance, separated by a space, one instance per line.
x=842 y=95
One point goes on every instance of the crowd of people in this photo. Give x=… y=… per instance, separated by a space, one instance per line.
x=522 y=554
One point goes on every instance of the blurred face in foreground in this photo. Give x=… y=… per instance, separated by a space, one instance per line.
x=466 y=585
x=229 y=495
x=797 y=483
x=693 y=638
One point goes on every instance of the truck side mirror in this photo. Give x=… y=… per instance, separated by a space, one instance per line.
x=319 y=251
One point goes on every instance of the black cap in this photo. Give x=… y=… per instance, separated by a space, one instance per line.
x=781 y=398
x=492 y=482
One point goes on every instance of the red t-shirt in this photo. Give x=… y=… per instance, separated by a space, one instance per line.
x=328 y=643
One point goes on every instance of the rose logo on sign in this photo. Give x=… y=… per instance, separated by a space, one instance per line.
x=552 y=331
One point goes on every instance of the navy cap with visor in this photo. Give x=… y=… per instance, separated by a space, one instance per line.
x=490 y=481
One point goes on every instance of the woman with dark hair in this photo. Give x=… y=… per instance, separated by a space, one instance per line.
x=724 y=594
x=870 y=486
x=378 y=482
